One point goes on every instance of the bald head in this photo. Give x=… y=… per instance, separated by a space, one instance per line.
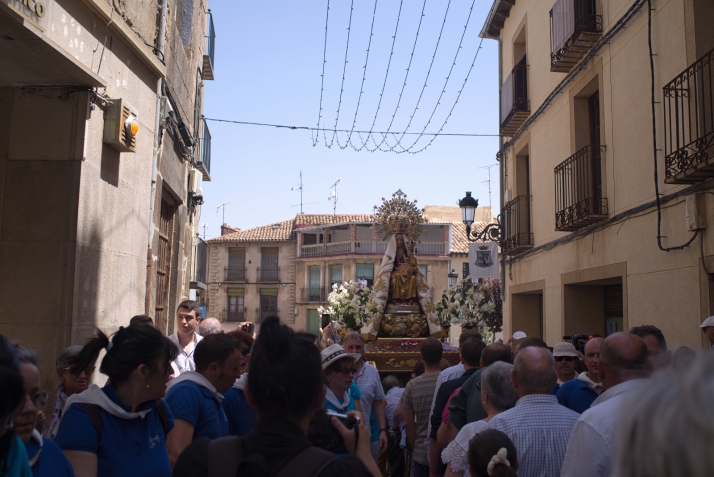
x=209 y=326
x=534 y=371
x=623 y=356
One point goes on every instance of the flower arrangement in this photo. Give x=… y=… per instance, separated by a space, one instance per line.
x=470 y=304
x=350 y=307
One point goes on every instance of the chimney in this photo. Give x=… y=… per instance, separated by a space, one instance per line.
x=227 y=229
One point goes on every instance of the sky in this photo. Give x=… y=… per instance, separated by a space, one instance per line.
x=268 y=69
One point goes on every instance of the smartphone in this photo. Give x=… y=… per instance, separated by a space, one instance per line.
x=326 y=320
x=248 y=328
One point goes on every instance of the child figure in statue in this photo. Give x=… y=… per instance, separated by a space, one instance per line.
x=403 y=279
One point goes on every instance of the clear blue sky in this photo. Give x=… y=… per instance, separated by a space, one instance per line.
x=268 y=64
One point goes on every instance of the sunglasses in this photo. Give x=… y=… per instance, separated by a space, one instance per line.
x=347 y=371
x=245 y=352
x=87 y=372
x=565 y=358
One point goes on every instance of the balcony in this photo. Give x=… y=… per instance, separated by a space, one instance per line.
x=515 y=106
x=235 y=274
x=689 y=124
x=267 y=275
x=347 y=248
x=575 y=27
x=314 y=294
x=516 y=220
x=578 y=190
x=209 y=57
x=199 y=280
x=203 y=162
x=233 y=316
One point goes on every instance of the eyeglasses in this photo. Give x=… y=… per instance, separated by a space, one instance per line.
x=87 y=372
x=39 y=399
x=347 y=371
x=565 y=358
x=245 y=352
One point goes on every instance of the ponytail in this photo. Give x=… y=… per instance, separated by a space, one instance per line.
x=492 y=454
x=129 y=347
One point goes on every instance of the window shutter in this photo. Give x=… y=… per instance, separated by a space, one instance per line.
x=269 y=292
x=236 y=292
x=365 y=270
x=313 y=322
x=335 y=273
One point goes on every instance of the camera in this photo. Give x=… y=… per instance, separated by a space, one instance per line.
x=248 y=327
x=322 y=433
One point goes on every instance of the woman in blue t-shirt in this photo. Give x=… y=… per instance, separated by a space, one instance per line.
x=338 y=369
x=13 y=457
x=131 y=440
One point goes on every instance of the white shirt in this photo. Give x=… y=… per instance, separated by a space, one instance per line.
x=591 y=448
x=184 y=360
x=393 y=397
x=456 y=453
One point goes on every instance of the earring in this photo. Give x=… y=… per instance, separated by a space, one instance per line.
x=147 y=386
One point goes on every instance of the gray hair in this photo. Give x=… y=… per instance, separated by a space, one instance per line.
x=673 y=414
x=209 y=326
x=390 y=382
x=497 y=384
x=353 y=335
x=25 y=355
x=63 y=360
x=535 y=371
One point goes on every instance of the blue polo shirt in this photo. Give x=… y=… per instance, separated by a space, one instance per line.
x=200 y=407
x=576 y=395
x=354 y=394
x=51 y=463
x=241 y=418
x=127 y=447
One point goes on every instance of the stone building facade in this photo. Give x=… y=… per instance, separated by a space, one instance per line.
x=584 y=249
x=88 y=150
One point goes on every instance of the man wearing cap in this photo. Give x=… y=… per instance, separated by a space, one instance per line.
x=708 y=329
x=566 y=359
x=580 y=393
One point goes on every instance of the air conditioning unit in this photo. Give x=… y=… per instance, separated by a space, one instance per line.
x=121 y=125
x=195 y=181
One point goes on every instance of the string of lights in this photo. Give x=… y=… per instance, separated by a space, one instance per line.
x=307 y=128
x=342 y=86
x=428 y=73
x=384 y=84
x=446 y=82
x=364 y=76
x=316 y=137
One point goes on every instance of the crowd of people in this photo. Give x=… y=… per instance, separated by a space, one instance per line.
x=204 y=402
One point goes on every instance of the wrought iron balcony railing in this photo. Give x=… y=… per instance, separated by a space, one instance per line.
x=314 y=294
x=366 y=247
x=234 y=316
x=271 y=274
x=210 y=57
x=515 y=105
x=575 y=27
x=200 y=271
x=203 y=162
x=234 y=274
x=689 y=124
x=516 y=223
x=579 y=200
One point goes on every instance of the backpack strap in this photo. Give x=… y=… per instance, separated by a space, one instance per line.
x=163 y=415
x=308 y=462
x=95 y=416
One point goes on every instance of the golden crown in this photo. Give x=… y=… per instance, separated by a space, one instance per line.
x=399 y=215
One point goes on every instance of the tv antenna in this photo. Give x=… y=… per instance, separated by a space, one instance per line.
x=204 y=230
x=224 y=210
x=300 y=189
x=333 y=196
x=489 y=183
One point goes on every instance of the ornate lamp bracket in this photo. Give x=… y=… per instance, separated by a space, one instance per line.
x=492 y=232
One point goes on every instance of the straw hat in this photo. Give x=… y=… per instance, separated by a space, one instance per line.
x=334 y=352
x=565 y=349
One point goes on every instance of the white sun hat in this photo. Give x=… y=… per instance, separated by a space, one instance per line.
x=334 y=352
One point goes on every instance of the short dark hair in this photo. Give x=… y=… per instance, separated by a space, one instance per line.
x=214 y=349
x=131 y=347
x=337 y=364
x=26 y=355
x=471 y=350
x=431 y=351
x=496 y=352
x=650 y=330
x=419 y=368
x=532 y=341
x=190 y=305
x=141 y=320
x=466 y=334
x=486 y=444
x=285 y=371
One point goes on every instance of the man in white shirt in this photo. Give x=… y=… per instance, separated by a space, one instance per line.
x=185 y=337
x=623 y=369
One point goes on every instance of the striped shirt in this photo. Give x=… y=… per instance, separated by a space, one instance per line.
x=417 y=397
x=539 y=428
x=371 y=387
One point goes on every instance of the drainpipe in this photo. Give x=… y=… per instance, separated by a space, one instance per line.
x=155 y=160
x=501 y=163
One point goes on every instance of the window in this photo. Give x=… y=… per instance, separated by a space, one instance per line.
x=423 y=269
x=236 y=305
x=313 y=322
x=269 y=264
x=309 y=239
x=236 y=264
x=335 y=274
x=268 y=303
x=366 y=270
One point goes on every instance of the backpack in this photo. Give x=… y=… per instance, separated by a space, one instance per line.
x=225 y=460
x=96 y=417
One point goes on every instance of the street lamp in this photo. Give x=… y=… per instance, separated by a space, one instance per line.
x=468 y=212
x=453 y=278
